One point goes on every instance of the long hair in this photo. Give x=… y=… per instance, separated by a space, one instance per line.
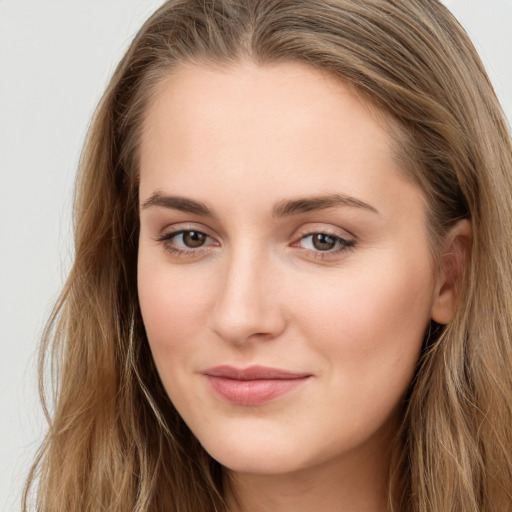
x=115 y=441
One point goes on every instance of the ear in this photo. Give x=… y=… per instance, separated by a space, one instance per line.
x=455 y=253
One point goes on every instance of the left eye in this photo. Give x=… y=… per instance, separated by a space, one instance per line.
x=192 y=239
x=324 y=242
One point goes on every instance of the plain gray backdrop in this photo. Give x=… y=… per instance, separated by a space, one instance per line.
x=55 y=60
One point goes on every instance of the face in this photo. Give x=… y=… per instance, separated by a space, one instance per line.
x=284 y=273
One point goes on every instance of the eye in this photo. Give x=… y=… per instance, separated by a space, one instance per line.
x=325 y=242
x=191 y=239
x=186 y=241
x=320 y=242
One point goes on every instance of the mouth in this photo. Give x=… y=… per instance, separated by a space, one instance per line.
x=254 y=385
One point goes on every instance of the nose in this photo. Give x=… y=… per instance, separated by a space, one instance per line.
x=247 y=305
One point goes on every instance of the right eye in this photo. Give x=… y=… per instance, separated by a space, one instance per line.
x=186 y=241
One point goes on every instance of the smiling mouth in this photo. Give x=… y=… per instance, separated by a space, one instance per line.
x=254 y=385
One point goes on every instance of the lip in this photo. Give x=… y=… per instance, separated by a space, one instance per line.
x=254 y=385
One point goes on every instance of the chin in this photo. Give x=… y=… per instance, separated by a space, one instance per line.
x=256 y=454
x=257 y=462
x=258 y=446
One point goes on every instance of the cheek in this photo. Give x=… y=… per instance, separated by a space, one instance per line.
x=371 y=323
x=172 y=308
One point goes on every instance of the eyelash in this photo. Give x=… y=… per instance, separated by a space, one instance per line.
x=341 y=244
x=167 y=239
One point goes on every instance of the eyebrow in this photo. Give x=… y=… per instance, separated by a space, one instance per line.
x=178 y=203
x=314 y=203
x=284 y=208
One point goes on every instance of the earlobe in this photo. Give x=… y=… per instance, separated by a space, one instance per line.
x=454 y=260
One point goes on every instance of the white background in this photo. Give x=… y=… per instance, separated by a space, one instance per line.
x=55 y=60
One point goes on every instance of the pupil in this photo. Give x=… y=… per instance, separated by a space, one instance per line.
x=194 y=238
x=323 y=242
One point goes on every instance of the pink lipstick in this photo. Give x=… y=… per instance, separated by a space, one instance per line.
x=254 y=385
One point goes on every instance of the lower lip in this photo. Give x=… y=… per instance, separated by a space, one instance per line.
x=252 y=392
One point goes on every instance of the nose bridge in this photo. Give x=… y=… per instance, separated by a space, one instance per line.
x=245 y=305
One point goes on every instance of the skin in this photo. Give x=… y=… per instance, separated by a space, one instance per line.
x=242 y=140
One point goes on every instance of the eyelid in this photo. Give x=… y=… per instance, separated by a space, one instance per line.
x=171 y=235
x=175 y=229
x=327 y=229
x=168 y=235
x=343 y=244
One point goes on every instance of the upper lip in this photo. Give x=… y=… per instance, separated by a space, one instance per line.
x=253 y=373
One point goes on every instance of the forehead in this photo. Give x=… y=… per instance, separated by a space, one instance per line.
x=281 y=97
x=248 y=127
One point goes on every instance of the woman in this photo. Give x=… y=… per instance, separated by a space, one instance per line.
x=292 y=282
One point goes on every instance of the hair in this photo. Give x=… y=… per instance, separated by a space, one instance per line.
x=115 y=441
